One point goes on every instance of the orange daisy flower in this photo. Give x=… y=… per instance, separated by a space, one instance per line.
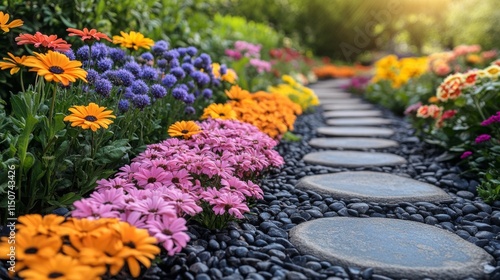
x=4 y=18
x=56 y=67
x=14 y=63
x=88 y=35
x=184 y=129
x=238 y=94
x=133 y=40
x=40 y=40
x=91 y=116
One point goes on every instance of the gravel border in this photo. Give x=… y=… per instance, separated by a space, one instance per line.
x=259 y=247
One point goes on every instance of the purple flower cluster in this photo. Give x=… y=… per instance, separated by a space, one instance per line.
x=174 y=179
x=482 y=138
x=149 y=77
x=493 y=119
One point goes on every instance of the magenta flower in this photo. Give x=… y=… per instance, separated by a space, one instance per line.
x=234 y=54
x=87 y=208
x=260 y=65
x=493 y=119
x=113 y=197
x=116 y=183
x=184 y=203
x=210 y=195
x=231 y=204
x=482 y=138
x=153 y=208
x=134 y=218
x=180 y=179
x=151 y=178
x=466 y=154
x=170 y=232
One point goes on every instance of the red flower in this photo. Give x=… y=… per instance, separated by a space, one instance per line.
x=89 y=35
x=40 y=40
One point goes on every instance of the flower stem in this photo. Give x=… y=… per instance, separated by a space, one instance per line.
x=52 y=105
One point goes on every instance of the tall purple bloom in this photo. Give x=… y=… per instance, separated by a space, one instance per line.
x=482 y=138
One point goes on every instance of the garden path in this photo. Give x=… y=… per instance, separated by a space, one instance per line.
x=396 y=248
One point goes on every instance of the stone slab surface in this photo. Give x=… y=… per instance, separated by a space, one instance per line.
x=358 y=121
x=340 y=107
x=353 y=159
x=341 y=101
x=373 y=187
x=331 y=95
x=355 y=143
x=395 y=248
x=367 y=131
x=352 y=114
x=332 y=83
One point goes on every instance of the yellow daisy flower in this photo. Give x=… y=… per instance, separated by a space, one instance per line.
x=184 y=129
x=57 y=67
x=91 y=116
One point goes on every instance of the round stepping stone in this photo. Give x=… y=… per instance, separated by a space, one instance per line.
x=394 y=248
x=373 y=187
x=358 y=121
x=341 y=101
x=334 y=107
x=330 y=83
x=355 y=131
x=356 y=143
x=332 y=95
x=352 y=114
x=352 y=159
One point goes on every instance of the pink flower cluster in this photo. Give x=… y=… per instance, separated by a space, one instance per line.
x=493 y=119
x=178 y=178
x=465 y=49
x=242 y=48
x=260 y=65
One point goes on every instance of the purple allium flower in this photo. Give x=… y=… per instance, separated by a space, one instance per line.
x=189 y=98
x=117 y=55
x=466 y=154
x=128 y=94
x=206 y=58
x=223 y=69
x=207 y=93
x=162 y=63
x=216 y=82
x=187 y=59
x=123 y=105
x=103 y=87
x=99 y=50
x=200 y=78
x=191 y=51
x=182 y=51
x=70 y=54
x=160 y=47
x=178 y=73
x=169 y=80
x=158 y=91
x=104 y=64
x=139 y=87
x=190 y=85
x=125 y=76
x=188 y=68
x=149 y=73
x=179 y=93
x=147 y=56
x=141 y=100
x=174 y=63
x=482 y=138
x=134 y=68
x=92 y=76
x=171 y=54
x=83 y=53
x=198 y=63
x=189 y=110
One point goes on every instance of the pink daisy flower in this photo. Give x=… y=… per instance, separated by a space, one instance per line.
x=86 y=208
x=116 y=183
x=231 y=204
x=134 y=218
x=236 y=186
x=171 y=232
x=180 y=179
x=223 y=169
x=127 y=171
x=113 y=197
x=210 y=195
x=255 y=190
x=151 y=178
x=153 y=208
x=184 y=203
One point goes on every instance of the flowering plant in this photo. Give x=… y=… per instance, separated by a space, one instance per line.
x=296 y=92
x=52 y=247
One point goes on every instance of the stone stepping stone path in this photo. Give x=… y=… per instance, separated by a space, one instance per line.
x=335 y=83
x=373 y=187
x=332 y=95
x=366 y=131
x=352 y=114
x=394 y=248
x=358 y=121
x=354 y=143
x=341 y=101
x=334 y=107
x=352 y=159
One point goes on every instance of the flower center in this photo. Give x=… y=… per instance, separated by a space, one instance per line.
x=222 y=114
x=90 y=118
x=167 y=232
x=56 y=70
x=175 y=180
x=151 y=180
x=184 y=131
x=130 y=244
x=54 y=275
x=31 y=250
